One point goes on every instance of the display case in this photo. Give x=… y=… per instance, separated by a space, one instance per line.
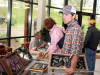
x=13 y=64
x=57 y=61
x=37 y=67
x=2 y=70
x=31 y=72
x=24 y=54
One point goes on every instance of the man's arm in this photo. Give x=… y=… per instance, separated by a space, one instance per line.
x=74 y=60
x=33 y=43
x=42 y=45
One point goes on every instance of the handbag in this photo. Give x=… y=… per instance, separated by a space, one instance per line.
x=61 y=41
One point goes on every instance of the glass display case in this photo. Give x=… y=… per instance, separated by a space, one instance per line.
x=24 y=54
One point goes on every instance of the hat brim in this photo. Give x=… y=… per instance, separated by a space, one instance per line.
x=64 y=12
x=60 y=12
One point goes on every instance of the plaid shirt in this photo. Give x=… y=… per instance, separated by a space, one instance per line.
x=73 y=41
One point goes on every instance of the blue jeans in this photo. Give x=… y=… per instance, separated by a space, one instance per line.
x=90 y=58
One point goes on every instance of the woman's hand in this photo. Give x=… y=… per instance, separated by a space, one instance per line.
x=44 y=53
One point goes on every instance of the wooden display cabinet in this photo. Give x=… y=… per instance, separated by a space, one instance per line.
x=2 y=70
x=31 y=72
x=38 y=67
x=57 y=61
x=13 y=64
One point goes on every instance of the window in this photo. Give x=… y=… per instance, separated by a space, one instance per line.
x=3 y=18
x=76 y=16
x=16 y=43
x=85 y=20
x=57 y=3
x=56 y=16
x=46 y=2
x=98 y=7
x=87 y=6
x=20 y=13
x=98 y=22
x=19 y=18
x=75 y=3
x=4 y=42
x=46 y=12
x=98 y=27
x=34 y=19
x=35 y=1
x=19 y=23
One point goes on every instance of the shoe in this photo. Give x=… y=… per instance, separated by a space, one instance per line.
x=91 y=74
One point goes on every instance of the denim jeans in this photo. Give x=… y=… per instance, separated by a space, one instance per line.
x=90 y=58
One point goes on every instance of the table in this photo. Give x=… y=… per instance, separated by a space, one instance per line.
x=32 y=62
x=49 y=71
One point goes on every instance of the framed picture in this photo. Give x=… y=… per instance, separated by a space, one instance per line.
x=24 y=54
x=13 y=64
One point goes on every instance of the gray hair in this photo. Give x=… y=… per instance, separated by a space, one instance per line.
x=36 y=34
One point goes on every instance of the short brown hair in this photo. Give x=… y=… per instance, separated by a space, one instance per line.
x=49 y=23
x=36 y=34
